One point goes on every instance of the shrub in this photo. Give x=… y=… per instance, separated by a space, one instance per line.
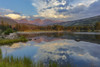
x=8 y=31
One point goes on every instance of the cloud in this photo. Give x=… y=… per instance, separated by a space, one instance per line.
x=11 y=14
x=84 y=12
x=48 y=8
x=59 y=9
x=15 y=16
x=7 y=11
x=50 y=13
x=63 y=9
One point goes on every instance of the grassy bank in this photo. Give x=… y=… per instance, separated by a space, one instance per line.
x=10 y=41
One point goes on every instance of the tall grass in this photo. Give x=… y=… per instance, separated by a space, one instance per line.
x=0 y=54
x=26 y=62
x=15 y=62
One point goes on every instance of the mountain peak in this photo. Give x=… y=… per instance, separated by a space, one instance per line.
x=38 y=21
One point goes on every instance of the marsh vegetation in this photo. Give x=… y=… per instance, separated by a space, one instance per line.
x=10 y=41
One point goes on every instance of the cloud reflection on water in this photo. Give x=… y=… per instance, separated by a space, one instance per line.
x=59 y=50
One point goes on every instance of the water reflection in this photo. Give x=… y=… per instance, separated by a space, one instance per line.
x=63 y=49
x=77 y=37
x=44 y=39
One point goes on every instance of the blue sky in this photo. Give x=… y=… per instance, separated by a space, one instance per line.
x=21 y=6
x=49 y=9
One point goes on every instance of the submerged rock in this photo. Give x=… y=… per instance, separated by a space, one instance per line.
x=0 y=37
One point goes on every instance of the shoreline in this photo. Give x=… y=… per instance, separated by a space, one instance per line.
x=92 y=33
x=37 y=32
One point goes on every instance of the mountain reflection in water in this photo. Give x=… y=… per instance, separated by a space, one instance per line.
x=77 y=37
x=62 y=48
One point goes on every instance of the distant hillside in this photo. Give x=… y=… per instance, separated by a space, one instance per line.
x=22 y=25
x=22 y=21
x=82 y=22
x=38 y=22
x=7 y=20
x=25 y=26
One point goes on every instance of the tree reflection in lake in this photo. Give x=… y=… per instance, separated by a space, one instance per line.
x=77 y=37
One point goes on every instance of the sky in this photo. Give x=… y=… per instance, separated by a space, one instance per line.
x=49 y=9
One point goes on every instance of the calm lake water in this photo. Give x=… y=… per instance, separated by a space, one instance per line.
x=80 y=50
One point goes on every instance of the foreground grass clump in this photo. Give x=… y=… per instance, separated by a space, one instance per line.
x=10 y=41
x=26 y=62
x=16 y=62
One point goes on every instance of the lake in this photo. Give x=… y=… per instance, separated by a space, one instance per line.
x=80 y=50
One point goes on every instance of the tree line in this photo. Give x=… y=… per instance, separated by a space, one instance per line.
x=29 y=27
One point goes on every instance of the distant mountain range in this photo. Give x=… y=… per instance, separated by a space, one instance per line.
x=7 y=20
x=38 y=22
x=14 y=22
x=82 y=22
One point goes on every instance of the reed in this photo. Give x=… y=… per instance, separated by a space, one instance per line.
x=26 y=62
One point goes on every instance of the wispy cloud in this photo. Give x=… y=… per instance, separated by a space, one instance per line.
x=48 y=8
x=63 y=9
x=11 y=14
x=5 y=11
